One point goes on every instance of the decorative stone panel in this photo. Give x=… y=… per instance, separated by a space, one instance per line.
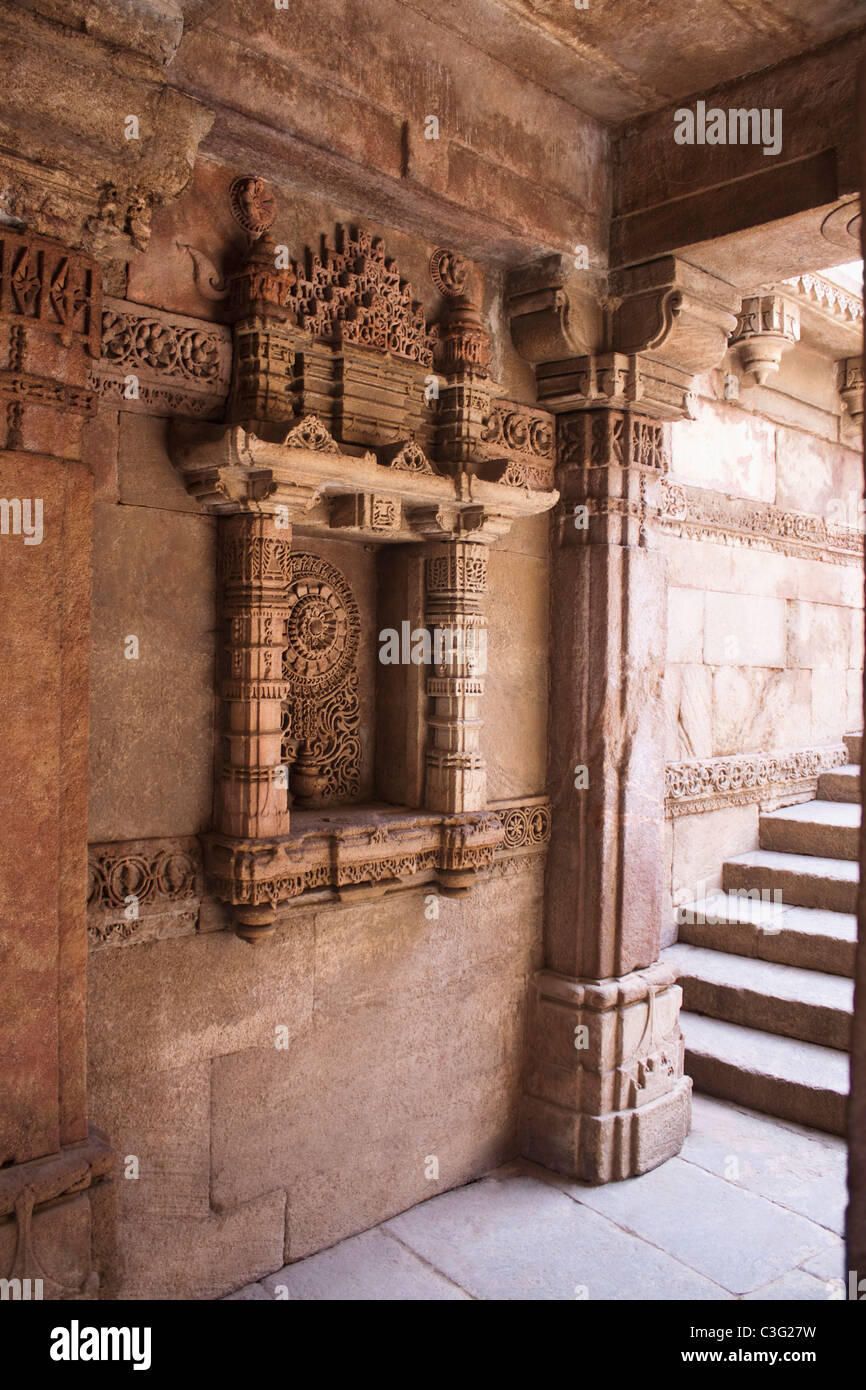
x=162 y=364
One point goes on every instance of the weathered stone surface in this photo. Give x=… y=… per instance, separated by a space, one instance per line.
x=744 y=632
x=819 y=635
x=814 y=476
x=649 y=1205
x=149 y=1014
x=685 y=625
x=758 y=708
x=698 y=847
x=541 y=1245
x=175 y=1258
x=140 y=730
x=160 y=1124
x=799 y=1169
x=726 y=450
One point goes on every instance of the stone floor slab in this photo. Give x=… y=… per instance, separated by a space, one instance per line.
x=519 y=1238
x=734 y=1237
x=796 y=1287
x=364 y=1268
x=800 y=1169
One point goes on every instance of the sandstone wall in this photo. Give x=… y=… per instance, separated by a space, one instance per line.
x=399 y=1021
x=765 y=618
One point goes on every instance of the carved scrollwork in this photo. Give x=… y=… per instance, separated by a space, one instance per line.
x=321 y=724
x=711 y=783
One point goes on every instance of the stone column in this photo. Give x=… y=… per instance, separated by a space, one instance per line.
x=252 y=796
x=55 y=1202
x=605 y=1096
x=455 y=581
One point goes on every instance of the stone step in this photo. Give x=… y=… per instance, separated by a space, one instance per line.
x=793 y=1080
x=783 y=999
x=823 y=828
x=854 y=744
x=802 y=936
x=840 y=784
x=803 y=880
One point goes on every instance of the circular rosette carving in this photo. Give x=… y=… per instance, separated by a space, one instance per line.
x=449 y=272
x=130 y=877
x=516 y=828
x=322 y=628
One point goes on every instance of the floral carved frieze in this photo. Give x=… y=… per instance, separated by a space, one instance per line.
x=710 y=784
x=698 y=514
x=162 y=364
x=139 y=890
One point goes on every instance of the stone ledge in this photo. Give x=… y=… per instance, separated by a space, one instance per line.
x=167 y=876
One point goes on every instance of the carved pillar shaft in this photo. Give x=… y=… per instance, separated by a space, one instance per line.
x=455 y=581
x=605 y=1093
x=252 y=794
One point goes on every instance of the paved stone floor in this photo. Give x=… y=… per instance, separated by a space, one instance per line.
x=753 y=1208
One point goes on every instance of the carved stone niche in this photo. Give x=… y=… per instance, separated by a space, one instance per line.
x=373 y=464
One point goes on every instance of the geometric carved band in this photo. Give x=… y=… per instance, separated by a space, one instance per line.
x=711 y=784
x=700 y=514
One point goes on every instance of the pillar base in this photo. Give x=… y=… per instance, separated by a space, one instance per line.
x=57 y=1217
x=605 y=1096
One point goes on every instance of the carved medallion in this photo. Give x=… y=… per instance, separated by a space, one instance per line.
x=321 y=726
x=253 y=205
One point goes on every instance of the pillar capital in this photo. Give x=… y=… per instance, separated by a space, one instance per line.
x=640 y=344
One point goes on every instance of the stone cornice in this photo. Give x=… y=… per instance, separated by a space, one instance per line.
x=660 y=325
x=65 y=104
x=830 y=298
x=699 y=514
x=711 y=784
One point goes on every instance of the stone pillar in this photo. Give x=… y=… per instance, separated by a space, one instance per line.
x=606 y=1097
x=455 y=770
x=252 y=796
x=55 y=1197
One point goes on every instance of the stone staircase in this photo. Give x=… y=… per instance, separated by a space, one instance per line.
x=768 y=984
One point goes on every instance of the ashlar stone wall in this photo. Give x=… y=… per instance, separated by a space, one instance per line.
x=266 y=1102
x=763 y=536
